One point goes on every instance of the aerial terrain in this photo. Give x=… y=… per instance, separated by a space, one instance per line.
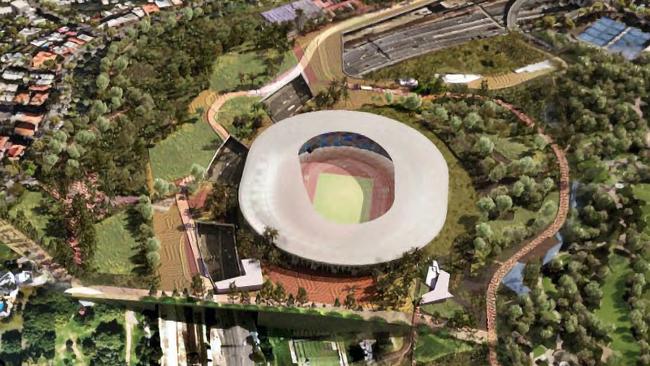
x=324 y=182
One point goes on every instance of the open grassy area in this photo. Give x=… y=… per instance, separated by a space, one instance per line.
x=614 y=310
x=431 y=346
x=30 y=204
x=522 y=215
x=233 y=108
x=172 y=158
x=115 y=245
x=249 y=64
x=462 y=212
x=281 y=351
x=445 y=309
x=490 y=56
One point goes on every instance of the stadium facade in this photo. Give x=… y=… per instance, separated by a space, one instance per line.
x=345 y=190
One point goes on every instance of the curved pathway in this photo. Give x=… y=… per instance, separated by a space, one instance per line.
x=506 y=266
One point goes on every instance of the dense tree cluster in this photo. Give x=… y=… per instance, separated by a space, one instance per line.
x=471 y=129
x=597 y=109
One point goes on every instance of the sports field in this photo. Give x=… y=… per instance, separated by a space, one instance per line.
x=316 y=353
x=344 y=199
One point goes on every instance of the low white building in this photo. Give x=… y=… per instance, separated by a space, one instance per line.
x=438 y=282
x=6 y=11
x=251 y=280
x=21 y=6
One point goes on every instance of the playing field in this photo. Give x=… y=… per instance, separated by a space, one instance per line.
x=344 y=199
x=317 y=353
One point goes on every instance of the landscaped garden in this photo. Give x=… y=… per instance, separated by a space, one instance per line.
x=489 y=56
x=192 y=143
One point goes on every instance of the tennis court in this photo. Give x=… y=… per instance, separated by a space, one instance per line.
x=344 y=199
x=315 y=353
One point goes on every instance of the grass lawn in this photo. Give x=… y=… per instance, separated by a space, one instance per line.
x=431 y=346
x=227 y=69
x=614 y=311
x=6 y=253
x=522 y=215
x=115 y=245
x=496 y=55
x=318 y=353
x=233 y=108
x=462 y=213
x=281 y=352
x=30 y=205
x=172 y=158
x=445 y=309
x=343 y=198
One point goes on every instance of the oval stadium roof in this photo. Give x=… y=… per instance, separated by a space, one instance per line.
x=272 y=193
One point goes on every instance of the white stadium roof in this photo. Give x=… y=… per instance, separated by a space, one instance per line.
x=272 y=193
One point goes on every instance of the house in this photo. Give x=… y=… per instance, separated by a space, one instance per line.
x=21 y=98
x=25 y=129
x=163 y=3
x=21 y=7
x=13 y=75
x=6 y=11
x=31 y=118
x=15 y=151
x=39 y=60
x=150 y=8
x=38 y=99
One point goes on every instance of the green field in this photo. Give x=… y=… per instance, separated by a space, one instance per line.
x=490 y=56
x=6 y=253
x=233 y=108
x=30 y=204
x=343 y=199
x=248 y=63
x=115 y=245
x=319 y=353
x=614 y=310
x=431 y=346
x=172 y=158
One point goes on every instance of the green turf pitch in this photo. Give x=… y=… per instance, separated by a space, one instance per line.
x=318 y=353
x=343 y=198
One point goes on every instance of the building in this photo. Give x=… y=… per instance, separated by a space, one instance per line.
x=39 y=60
x=289 y=12
x=326 y=182
x=21 y=6
x=438 y=282
x=219 y=261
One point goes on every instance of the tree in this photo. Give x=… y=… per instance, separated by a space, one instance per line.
x=301 y=297
x=337 y=303
x=279 y=294
x=232 y=292
x=350 y=301
x=102 y=82
x=244 y=297
x=484 y=146
x=270 y=235
x=503 y=203
x=486 y=205
x=197 y=285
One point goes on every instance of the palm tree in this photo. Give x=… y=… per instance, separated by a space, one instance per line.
x=270 y=234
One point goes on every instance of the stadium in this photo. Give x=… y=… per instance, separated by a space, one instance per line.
x=345 y=189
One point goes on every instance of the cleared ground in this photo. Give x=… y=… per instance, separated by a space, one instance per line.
x=344 y=199
x=115 y=245
x=192 y=143
x=174 y=267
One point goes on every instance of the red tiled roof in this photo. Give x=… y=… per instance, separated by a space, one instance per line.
x=34 y=119
x=21 y=98
x=150 y=8
x=40 y=88
x=39 y=99
x=15 y=150
x=41 y=57
x=77 y=40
